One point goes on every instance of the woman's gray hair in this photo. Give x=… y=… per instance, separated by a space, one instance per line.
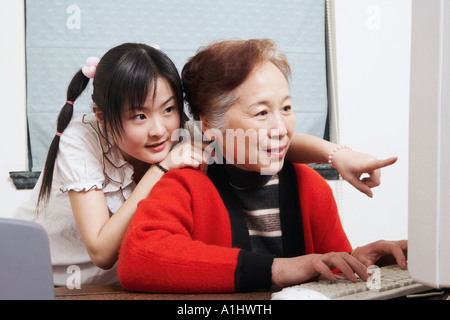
x=211 y=77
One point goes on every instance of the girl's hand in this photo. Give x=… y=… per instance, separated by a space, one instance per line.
x=352 y=165
x=188 y=154
x=291 y=271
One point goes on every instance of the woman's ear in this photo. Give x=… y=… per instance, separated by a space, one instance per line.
x=207 y=132
x=98 y=114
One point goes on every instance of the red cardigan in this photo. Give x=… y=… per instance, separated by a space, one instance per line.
x=180 y=238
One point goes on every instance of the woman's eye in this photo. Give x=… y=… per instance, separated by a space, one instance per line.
x=287 y=108
x=261 y=113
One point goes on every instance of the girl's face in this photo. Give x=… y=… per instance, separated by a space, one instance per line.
x=147 y=132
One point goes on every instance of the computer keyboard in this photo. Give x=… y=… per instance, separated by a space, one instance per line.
x=385 y=283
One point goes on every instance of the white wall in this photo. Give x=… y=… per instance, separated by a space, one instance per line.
x=373 y=63
x=372 y=51
x=13 y=130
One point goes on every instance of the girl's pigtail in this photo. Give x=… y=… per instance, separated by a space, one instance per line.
x=75 y=89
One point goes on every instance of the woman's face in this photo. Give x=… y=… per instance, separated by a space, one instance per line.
x=261 y=123
x=147 y=132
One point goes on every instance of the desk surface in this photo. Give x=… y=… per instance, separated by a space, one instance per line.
x=116 y=292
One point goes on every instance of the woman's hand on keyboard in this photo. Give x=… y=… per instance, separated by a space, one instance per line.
x=382 y=252
x=291 y=271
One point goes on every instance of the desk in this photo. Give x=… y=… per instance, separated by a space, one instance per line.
x=116 y=292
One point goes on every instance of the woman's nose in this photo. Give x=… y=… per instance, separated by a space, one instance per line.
x=278 y=127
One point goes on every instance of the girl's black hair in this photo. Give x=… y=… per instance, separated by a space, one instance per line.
x=122 y=81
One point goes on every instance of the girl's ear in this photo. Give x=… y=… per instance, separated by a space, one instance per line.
x=98 y=114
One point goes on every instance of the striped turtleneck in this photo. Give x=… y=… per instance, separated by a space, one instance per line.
x=259 y=197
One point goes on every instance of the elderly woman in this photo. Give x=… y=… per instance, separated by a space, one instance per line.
x=253 y=221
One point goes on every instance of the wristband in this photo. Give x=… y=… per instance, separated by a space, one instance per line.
x=330 y=157
x=161 y=167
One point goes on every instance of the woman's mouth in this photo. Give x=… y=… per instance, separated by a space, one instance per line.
x=277 y=152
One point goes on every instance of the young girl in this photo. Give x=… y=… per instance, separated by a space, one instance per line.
x=99 y=166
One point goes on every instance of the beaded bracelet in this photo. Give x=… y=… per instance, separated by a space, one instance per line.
x=330 y=157
x=161 y=167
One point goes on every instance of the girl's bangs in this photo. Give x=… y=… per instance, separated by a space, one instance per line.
x=141 y=81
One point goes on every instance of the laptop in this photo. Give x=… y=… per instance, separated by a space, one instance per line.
x=25 y=265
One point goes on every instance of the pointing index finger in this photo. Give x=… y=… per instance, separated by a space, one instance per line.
x=378 y=164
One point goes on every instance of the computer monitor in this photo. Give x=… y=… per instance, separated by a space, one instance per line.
x=429 y=153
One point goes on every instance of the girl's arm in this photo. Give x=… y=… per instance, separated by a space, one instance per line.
x=350 y=164
x=101 y=233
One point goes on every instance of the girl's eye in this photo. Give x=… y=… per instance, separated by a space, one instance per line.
x=169 y=109
x=140 y=116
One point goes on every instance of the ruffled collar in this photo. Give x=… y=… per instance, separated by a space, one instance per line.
x=118 y=171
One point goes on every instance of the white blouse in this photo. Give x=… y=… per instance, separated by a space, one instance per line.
x=86 y=160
